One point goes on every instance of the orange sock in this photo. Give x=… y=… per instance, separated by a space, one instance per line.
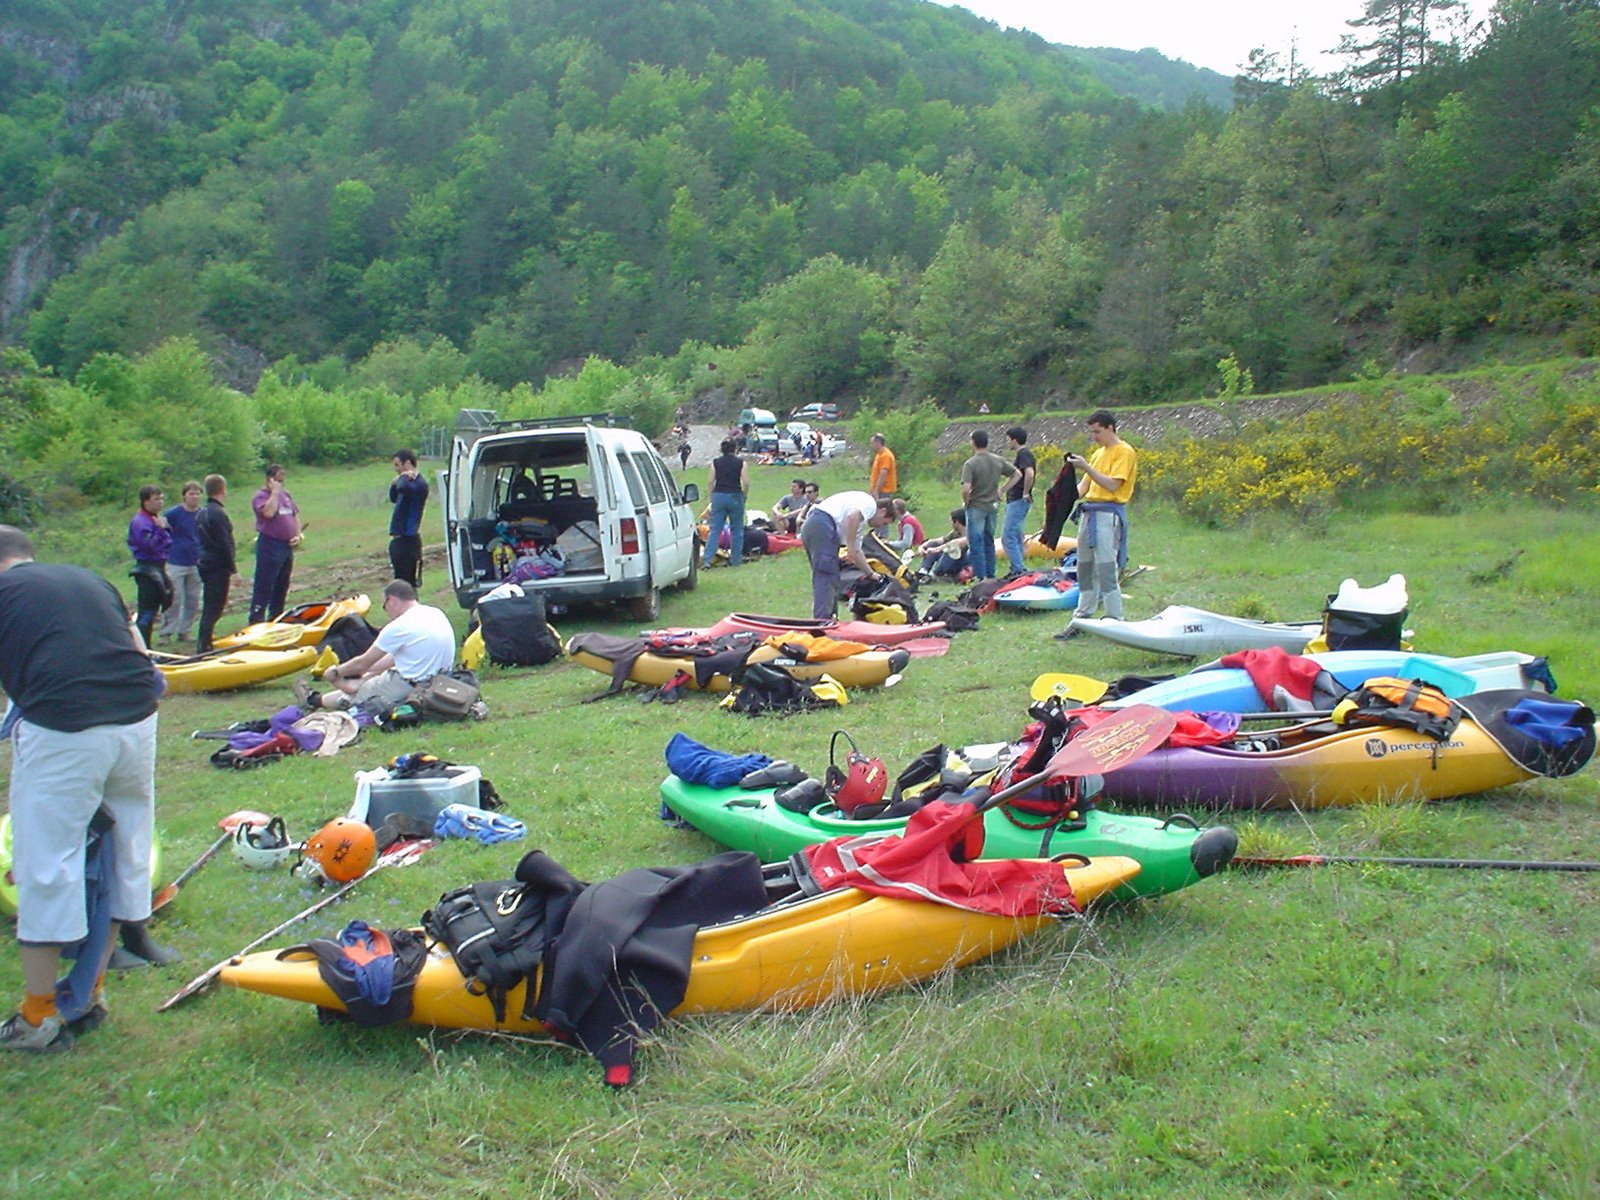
x=36 y=1008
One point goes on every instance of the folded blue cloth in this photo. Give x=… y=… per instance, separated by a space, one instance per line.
x=465 y=821
x=694 y=763
x=1547 y=721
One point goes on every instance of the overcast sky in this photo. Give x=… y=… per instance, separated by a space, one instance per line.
x=1219 y=35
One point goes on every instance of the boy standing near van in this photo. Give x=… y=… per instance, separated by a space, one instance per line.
x=409 y=495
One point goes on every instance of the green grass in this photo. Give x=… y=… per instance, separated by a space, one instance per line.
x=1309 y=1033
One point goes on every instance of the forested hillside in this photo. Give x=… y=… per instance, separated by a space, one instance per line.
x=876 y=199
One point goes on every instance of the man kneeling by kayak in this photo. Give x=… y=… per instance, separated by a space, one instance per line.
x=416 y=644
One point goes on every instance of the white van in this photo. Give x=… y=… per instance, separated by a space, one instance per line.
x=763 y=429
x=573 y=507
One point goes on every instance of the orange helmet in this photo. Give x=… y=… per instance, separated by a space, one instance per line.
x=342 y=850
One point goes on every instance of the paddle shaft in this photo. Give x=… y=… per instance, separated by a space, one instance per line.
x=166 y=894
x=203 y=980
x=1449 y=864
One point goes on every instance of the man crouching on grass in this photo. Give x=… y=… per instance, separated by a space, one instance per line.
x=416 y=644
x=82 y=723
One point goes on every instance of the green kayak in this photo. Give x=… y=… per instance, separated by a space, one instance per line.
x=1172 y=852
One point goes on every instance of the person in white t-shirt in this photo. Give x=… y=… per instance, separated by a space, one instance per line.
x=416 y=644
x=835 y=522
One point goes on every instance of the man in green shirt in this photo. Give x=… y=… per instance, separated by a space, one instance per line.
x=981 y=476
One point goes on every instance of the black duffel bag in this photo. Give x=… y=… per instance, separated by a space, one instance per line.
x=515 y=632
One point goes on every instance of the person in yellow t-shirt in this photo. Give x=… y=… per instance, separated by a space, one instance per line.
x=884 y=482
x=1106 y=482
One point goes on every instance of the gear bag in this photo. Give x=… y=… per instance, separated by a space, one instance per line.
x=515 y=632
x=495 y=932
x=448 y=696
x=763 y=688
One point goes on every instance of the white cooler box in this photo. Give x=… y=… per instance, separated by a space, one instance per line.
x=377 y=795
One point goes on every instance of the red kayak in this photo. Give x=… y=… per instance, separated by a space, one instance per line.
x=869 y=632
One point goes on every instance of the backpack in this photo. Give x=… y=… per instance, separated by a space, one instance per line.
x=1385 y=700
x=348 y=637
x=495 y=932
x=957 y=618
x=448 y=696
x=515 y=632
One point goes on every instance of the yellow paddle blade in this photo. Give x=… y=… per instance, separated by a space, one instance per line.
x=1068 y=687
x=325 y=660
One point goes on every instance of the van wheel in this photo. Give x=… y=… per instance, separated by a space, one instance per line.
x=646 y=607
x=692 y=580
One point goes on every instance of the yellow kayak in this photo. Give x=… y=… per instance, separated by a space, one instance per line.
x=304 y=625
x=789 y=955
x=225 y=670
x=870 y=668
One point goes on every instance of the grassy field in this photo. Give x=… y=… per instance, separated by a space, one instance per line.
x=1312 y=1033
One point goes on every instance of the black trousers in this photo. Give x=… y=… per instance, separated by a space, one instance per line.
x=405 y=556
x=214 y=587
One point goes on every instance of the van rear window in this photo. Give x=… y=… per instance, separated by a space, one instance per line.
x=652 y=481
x=631 y=475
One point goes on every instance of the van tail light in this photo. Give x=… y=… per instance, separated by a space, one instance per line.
x=630 y=536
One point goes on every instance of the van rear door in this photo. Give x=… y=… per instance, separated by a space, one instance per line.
x=455 y=486
x=671 y=523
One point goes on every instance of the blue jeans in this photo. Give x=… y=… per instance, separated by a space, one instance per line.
x=820 y=536
x=1011 y=532
x=726 y=507
x=270 y=590
x=980 y=542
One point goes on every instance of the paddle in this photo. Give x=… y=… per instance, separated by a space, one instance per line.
x=228 y=824
x=1063 y=686
x=1451 y=864
x=1100 y=749
x=400 y=856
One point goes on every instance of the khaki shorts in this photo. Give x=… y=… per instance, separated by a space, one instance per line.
x=58 y=781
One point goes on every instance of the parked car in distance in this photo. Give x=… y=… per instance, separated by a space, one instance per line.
x=822 y=411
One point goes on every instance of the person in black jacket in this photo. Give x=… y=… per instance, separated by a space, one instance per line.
x=218 y=568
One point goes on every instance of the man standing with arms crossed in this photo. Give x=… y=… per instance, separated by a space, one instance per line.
x=1106 y=484
x=82 y=723
x=409 y=495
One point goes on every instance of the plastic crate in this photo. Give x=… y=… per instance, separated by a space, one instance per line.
x=377 y=796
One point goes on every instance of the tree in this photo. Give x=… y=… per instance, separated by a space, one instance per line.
x=1400 y=39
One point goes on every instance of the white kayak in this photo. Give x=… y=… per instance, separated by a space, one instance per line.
x=1194 y=632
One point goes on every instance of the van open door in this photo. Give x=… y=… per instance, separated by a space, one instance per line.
x=455 y=486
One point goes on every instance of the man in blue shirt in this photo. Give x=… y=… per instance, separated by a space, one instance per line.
x=183 y=564
x=409 y=495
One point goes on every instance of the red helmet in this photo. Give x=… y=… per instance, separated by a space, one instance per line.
x=860 y=783
x=342 y=850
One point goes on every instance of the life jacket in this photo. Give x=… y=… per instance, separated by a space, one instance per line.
x=1385 y=700
x=763 y=688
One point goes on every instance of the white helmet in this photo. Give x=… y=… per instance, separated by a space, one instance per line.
x=262 y=847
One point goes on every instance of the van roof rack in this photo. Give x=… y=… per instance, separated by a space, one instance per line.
x=607 y=419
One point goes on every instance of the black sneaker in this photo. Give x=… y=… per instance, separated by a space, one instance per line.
x=89 y=1021
x=50 y=1036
